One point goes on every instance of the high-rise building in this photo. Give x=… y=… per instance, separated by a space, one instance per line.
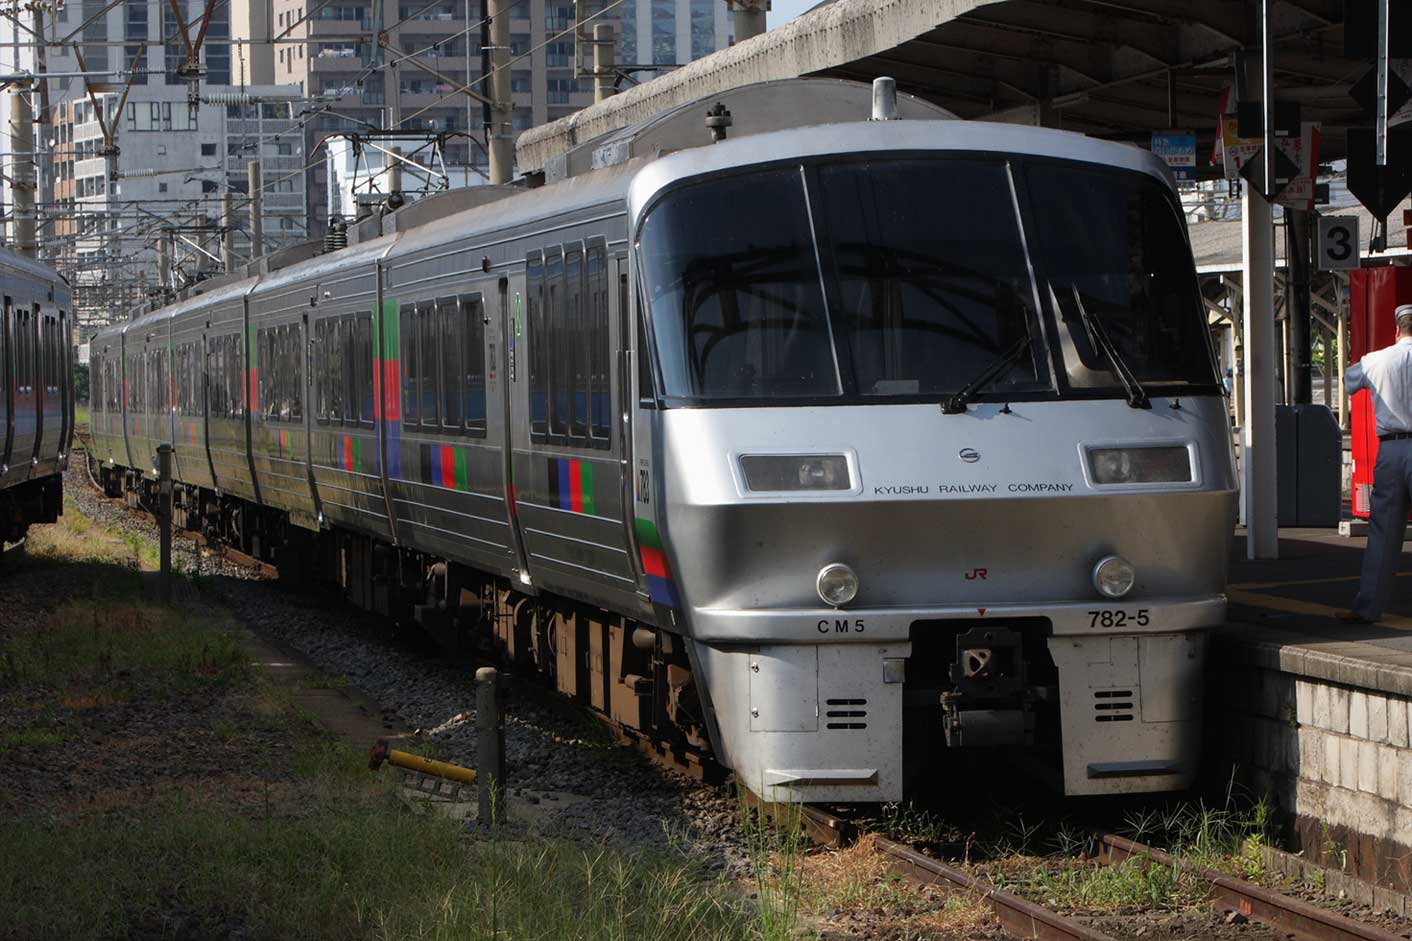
x=173 y=167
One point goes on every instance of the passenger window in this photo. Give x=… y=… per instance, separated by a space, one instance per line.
x=333 y=362
x=599 y=347
x=573 y=345
x=428 y=360
x=473 y=312
x=553 y=349
x=538 y=342
x=407 y=338
x=453 y=342
x=362 y=390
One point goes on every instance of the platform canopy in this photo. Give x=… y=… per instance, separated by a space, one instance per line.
x=1118 y=69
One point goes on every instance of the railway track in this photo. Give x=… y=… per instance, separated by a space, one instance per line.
x=228 y=553
x=1023 y=918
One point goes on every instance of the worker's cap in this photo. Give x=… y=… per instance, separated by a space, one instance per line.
x=1403 y=312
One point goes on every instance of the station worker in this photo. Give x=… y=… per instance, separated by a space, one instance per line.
x=1387 y=375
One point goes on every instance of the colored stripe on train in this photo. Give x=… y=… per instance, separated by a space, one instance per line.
x=387 y=384
x=446 y=465
x=349 y=455
x=655 y=566
x=571 y=485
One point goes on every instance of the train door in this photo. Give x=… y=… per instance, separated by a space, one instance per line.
x=7 y=393
x=64 y=356
x=306 y=353
x=621 y=299
x=510 y=307
x=28 y=414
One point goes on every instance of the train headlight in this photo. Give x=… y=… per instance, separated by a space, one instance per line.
x=837 y=584
x=776 y=472
x=1113 y=576
x=1140 y=465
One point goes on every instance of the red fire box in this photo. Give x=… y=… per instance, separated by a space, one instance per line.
x=1374 y=294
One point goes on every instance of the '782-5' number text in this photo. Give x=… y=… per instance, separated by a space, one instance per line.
x=1118 y=618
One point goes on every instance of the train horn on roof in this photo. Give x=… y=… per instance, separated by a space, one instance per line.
x=884 y=99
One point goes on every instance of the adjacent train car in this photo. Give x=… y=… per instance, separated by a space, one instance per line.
x=36 y=394
x=827 y=448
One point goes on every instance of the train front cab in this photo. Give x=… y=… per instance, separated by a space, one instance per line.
x=970 y=419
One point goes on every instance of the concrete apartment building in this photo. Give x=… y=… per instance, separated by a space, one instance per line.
x=172 y=169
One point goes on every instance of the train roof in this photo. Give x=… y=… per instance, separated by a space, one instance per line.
x=892 y=136
x=13 y=261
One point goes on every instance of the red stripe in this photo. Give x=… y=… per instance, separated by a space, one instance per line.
x=448 y=467
x=392 y=386
x=654 y=563
x=575 y=487
x=377 y=390
x=348 y=453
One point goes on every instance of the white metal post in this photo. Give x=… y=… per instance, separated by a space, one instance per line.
x=1257 y=447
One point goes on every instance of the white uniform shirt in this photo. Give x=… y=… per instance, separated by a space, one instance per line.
x=1387 y=375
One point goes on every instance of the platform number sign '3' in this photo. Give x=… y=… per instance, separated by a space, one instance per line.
x=1338 y=242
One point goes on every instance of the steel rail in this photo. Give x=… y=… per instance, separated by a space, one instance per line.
x=225 y=552
x=1019 y=917
x=1233 y=894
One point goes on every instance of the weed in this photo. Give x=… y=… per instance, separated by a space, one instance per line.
x=911 y=824
x=113 y=650
x=775 y=841
x=31 y=737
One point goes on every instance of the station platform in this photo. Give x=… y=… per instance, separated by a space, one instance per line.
x=1313 y=711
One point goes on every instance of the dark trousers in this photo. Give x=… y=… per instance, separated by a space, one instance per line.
x=1387 y=526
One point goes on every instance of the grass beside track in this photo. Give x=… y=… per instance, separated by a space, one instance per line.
x=290 y=836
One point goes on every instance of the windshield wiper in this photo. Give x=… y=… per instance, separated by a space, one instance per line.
x=956 y=404
x=1137 y=396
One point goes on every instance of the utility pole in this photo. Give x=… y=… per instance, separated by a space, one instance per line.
x=502 y=127
x=164 y=265
x=43 y=128
x=257 y=210
x=603 y=62
x=227 y=232
x=23 y=165
x=748 y=17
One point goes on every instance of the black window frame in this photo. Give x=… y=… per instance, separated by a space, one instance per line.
x=471 y=307
x=1047 y=331
x=536 y=333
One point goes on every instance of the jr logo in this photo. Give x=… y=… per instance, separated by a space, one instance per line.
x=974 y=574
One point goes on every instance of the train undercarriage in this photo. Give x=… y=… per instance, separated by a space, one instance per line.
x=23 y=505
x=637 y=675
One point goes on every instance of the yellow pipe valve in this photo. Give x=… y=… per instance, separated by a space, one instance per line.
x=382 y=752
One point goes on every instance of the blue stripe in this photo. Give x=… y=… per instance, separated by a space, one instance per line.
x=566 y=501
x=662 y=591
x=436 y=465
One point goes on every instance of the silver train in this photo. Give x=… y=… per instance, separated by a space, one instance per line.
x=36 y=394
x=830 y=448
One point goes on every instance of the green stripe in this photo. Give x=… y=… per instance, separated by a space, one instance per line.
x=357 y=454
x=586 y=486
x=463 y=477
x=647 y=536
x=391 y=329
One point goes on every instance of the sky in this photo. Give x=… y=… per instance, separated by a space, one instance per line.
x=785 y=10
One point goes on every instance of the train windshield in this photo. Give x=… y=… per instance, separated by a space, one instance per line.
x=915 y=278
x=1112 y=254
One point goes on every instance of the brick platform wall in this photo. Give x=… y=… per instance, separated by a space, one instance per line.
x=1336 y=758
